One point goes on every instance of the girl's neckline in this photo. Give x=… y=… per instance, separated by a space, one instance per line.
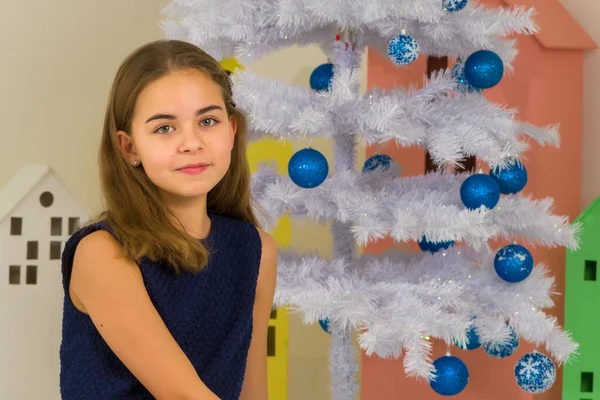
x=212 y=217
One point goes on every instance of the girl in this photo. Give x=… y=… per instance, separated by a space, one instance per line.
x=168 y=294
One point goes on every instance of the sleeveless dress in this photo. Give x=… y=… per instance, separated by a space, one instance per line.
x=209 y=314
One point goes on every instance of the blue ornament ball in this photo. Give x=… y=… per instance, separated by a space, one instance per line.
x=452 y=376
x=513 y=263
x=403 y=50
x=454 y=5
x=458 y=74
x=473 y=342
x=324 y=322
x=484 y=69
x=381 y=163
x=480 y=190
x=535 y=372
x=511 y=179
x=503 y=350
x=433 y=247
x=320 y=79
x=308 y=168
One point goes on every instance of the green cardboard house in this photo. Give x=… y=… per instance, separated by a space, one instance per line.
x=581 y=378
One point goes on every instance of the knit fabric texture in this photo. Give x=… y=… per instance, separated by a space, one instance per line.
x=209 y=314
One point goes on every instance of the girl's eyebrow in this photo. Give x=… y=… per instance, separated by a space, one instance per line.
x=172 y=117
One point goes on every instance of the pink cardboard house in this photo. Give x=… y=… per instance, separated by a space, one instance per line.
x=547 y=88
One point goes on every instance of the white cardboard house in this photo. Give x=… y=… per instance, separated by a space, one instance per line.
x=37 y=216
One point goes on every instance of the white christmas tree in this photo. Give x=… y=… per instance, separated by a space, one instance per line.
x=459 y=289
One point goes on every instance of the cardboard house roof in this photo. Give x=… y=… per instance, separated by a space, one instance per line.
x=557 y=29
x=19 y=186
x=594 y=207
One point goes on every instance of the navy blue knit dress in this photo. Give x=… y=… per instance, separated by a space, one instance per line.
x=209 y=314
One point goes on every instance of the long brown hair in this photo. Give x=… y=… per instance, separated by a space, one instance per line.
x=133 y=208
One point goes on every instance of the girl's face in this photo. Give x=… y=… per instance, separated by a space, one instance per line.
x=181 y=134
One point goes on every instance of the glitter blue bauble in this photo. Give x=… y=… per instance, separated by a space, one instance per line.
x=324 y=324
x=432 y=247
x=503 y=350
x=308 y=168
x=535 y=372
x=320 y=79
x=480 y=190
x=381 y=163
x=454 y=5
x=511 y=179
x=458 y=74
x=473 y=342
x=452 y=376
x=484 y=69
x=403 y=50
x=513 y=263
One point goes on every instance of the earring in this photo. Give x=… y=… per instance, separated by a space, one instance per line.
x=135 y=163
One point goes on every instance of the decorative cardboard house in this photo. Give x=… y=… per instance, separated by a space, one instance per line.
x=37 y=216
x=582 y=300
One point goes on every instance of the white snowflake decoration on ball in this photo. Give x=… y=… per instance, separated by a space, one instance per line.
x=535 y=372
x=403 y=50
x=454 y=5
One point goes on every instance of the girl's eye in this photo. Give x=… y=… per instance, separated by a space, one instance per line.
x=208 y=122
x=164 y=129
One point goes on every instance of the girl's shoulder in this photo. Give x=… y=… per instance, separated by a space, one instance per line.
x=101 y=226
x=92 y=241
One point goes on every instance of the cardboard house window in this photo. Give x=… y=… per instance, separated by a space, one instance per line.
x=590 y=270
x=587 y=382
x=55 y=250
x=31 y=275
x=46 y=199
x=14 y=274
x=16 y=226
x=271 y=342
x=73 y=225
x=56 y=226
x=32 y=250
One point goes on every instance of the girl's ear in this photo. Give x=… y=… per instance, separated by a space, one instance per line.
x=127 y=147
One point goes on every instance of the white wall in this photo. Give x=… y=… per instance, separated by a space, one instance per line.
x=58 y=61
x=587 y=13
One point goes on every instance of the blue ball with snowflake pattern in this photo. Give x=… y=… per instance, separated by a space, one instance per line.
x=381 y=163
x=535 y=372
x=403 y=50
x=454 y=5
x=503 y=350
